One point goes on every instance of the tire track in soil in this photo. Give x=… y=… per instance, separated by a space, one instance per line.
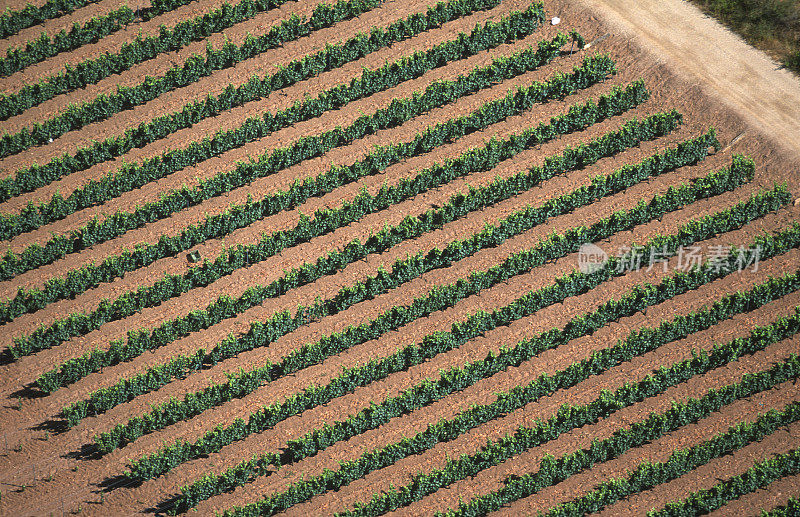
x=81 y=434
x=213 y=84
x=334 y=410
x=29 y=322
x=480 y=393
x=659 y=450
x=773 y=495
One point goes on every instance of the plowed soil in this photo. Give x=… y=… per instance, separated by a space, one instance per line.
x=687 y=62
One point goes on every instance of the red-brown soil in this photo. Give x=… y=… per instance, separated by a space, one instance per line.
x=39 y=470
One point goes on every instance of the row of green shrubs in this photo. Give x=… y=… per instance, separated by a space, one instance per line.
x=329 y=58
x=548 y=249
x=474 y=160
x=569 y=418
x=133 y=176
x=457 y=379
x=79 y=280
x=646 y=475
x=566 y=419
x=756 y=477
x=13 y=21
x=263 y=333
x=139 y=50
x=45 y=46
x=565 y=286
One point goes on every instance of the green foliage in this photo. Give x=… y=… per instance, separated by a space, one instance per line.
x=567 y=419
x=139 y=50
x=44 y=46
x=758 y=476
x=555 y=246
x=11 y=22
x=688 y=152
x=332 y=56
x=136 y=175
x=324 y=221
x=793 y=61
x=458 y=206
x=648 y=475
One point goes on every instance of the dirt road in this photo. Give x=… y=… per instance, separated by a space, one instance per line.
x=702 y=50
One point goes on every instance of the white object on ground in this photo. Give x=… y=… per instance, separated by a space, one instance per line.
x=556 y=20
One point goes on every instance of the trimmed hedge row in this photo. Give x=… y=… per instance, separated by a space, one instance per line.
x=457 y=379
x=632 y=133
x=758 y=476
x=262 y=333
x=142 y=49
x=646 y=475
x=331 y=57
x=550 y=248
x=78 y=280
x=134 y=176
x=44 y=46
x=563 y=287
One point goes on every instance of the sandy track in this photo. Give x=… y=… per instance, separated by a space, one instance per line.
x=703 y=52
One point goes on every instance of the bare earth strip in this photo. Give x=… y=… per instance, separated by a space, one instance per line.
x=687 y=60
